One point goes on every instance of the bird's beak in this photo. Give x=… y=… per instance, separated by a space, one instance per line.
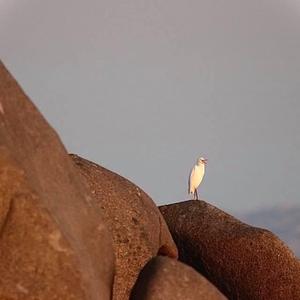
x=205 y=160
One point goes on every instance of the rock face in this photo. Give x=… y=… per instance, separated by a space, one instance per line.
x=54 y=243
x=282 y=220
x=167 y=279
x=139 y=230
x=242 y=261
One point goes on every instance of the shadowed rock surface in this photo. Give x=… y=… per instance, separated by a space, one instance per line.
x=139 y=230
x=54 y=243
x=164 y=278
x=244 y=262
x=283 y=220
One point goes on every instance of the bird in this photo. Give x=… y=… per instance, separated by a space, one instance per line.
x=196 y=176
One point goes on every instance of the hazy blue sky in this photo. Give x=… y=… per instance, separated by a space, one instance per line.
x=144 y=87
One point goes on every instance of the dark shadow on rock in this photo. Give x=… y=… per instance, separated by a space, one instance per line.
x=168 y=279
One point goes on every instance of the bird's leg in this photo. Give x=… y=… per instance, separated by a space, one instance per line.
x=196 y=193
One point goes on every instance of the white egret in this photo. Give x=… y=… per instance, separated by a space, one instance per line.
x=196 y=176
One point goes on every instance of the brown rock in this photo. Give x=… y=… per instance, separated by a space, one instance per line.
x=168 y=279
x=54 y=243
x=139 y=230
x=242 y=261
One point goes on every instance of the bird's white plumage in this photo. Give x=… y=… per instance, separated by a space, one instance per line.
x=196 y=176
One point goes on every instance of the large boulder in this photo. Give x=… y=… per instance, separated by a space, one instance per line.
x=139 y=230
x=242 y=261
x=164 y=278
x=54 y=243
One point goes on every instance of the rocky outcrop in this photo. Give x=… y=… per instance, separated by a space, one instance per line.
x=70 y=229
x=167 y=279
x=283 y=220
x=139 y=231
x=242 y=261
x=54 y=243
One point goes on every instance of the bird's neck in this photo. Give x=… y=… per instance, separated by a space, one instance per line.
x=201 y=166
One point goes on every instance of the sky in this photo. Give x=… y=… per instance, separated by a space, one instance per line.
x=145 y=87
